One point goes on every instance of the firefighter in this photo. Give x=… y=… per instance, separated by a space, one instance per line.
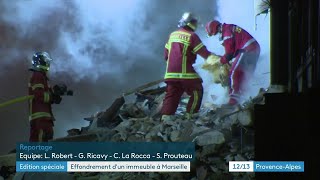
x=41 y=117
x=241 y=52
x=180 y=53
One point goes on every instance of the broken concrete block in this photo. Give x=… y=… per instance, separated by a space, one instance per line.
x=186 y=131
x=118 y=137
x=73 y=132
x=197 y=130
x=146 y=126
x=245 y=117
x=135 y=138
x=124 y=126
x=209 y=149
x=201 y=173
x=153 y=139
x=174 y=135
x=213 y=137
x=132 y=110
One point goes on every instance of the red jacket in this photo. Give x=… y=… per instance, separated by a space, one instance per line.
x=181 y=52
x=40 y=105
x=236 y=39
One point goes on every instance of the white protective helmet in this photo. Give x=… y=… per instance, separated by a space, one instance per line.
x=188 y=19
x=41 y=61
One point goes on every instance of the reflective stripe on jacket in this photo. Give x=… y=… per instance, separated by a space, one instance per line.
x=40 y=105
x=181 y=52
x=235 y=39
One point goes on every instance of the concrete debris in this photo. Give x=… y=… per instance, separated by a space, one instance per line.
x=202 y=173
x=74 y=132
x=213 y=137
x=220 y=134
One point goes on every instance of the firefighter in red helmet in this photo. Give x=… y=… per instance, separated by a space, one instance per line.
x=241 y=52
x=181 y=51
x=41 y=117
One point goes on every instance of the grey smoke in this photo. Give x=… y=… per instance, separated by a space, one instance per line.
x=99 y=49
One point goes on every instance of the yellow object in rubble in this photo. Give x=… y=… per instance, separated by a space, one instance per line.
x=213 y=59
x=220 y=72
x=16 y=100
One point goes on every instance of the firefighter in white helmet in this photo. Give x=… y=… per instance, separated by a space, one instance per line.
x=181 y=51
x=41 y=117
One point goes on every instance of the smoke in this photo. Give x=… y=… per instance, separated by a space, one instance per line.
x=99 y=49
x=242 y=14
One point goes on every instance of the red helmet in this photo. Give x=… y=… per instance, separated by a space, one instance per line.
x=212 y=27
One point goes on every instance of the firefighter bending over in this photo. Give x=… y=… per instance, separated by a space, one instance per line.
x=242 y=49
x=180 y=53
x=41 y=117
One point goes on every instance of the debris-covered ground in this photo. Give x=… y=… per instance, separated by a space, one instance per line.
x=221 y=135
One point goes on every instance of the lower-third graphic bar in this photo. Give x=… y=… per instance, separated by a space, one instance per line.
x=129 y=166
x=41 y=166
x=266 y=166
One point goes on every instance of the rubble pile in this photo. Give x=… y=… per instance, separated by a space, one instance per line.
x=220 y=134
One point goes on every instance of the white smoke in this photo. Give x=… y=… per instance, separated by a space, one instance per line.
x=103 y=48
x=240 y=13
x=99 y=49
x=106 y=28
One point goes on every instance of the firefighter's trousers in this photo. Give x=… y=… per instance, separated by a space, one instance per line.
x=174 y=91
x=41 y=130
x=241 y=71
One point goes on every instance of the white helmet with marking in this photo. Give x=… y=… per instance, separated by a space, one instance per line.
x=188 y=19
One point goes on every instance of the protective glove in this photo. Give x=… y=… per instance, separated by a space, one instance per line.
x=213 y=59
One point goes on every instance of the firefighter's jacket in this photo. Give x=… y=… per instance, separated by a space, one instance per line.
x=236 y=40
x=181 y=52
x=40 y=105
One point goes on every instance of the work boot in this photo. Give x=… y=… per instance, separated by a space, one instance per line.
x=168 y=119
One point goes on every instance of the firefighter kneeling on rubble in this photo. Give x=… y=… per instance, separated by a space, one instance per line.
x=180 y=53
x=41 y=117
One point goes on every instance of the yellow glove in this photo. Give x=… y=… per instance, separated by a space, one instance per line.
x=213 y=59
